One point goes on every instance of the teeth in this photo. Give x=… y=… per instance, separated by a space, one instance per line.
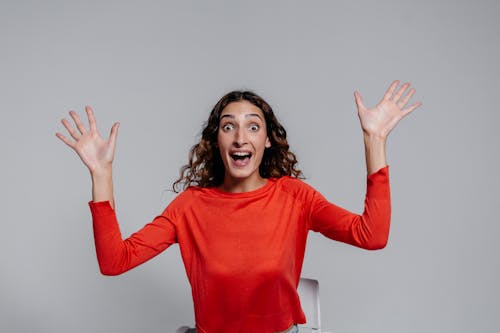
x=241 y=154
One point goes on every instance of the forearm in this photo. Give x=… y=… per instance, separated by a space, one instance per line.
x=115 y=255
x=102 y=186
x=374 y=152
x=370 y=230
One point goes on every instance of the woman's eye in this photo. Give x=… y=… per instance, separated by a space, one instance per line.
x=254 y=128
x=227 y=127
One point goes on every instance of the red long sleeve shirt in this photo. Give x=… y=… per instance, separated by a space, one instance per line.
x=243 y=252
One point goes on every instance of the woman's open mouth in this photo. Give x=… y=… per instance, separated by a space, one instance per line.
x=241 y=158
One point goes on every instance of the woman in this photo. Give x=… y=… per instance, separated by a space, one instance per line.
x=242 y=218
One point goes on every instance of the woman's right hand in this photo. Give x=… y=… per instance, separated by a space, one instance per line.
x=95 y=152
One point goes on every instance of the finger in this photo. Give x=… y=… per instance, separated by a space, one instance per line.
x=391 y=89
x=411 y=108
x=400 y=92
x=78 y=122
x=406 y=98
x=113 y=134
x=359 y=101
x=90 y=116
x=64 y=139
x=70 y=129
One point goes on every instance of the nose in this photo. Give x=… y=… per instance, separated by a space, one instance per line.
x=239 y=138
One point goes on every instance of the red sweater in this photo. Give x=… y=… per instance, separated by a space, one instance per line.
x=243 y=252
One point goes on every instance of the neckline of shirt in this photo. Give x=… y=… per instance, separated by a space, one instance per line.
x=220 y=193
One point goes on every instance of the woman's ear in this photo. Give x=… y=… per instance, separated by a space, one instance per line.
x=268 y=143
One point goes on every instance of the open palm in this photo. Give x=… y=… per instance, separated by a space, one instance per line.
x=95 y=152
x=381 y=119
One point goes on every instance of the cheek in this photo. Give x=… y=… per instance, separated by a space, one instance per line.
x=261 y=147
x=221 y=141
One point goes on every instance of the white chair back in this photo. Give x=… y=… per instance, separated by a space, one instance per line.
x=308 y=290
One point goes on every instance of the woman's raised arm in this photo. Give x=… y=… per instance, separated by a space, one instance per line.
x=114 y=254
x=95 y=152
x=369 y=230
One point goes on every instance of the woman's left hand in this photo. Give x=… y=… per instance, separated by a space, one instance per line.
x=380 y=120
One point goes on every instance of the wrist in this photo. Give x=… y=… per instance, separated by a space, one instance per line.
x=101 y=173
x=374 y=152
x=374 y=137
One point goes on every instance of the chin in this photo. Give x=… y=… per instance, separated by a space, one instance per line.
x=242 y=174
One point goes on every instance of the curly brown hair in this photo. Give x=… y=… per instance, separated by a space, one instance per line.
x=205 y=167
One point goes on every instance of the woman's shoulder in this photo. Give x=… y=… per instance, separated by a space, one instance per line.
x=183 y=199
x=293 y=182
x=189 y=194
x=296 y=187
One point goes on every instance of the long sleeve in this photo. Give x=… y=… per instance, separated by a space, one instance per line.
x=115 y=255
x=369 y=230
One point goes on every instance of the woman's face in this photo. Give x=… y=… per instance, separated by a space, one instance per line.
x=242 y=139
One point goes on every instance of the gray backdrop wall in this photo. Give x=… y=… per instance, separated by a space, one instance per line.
x=159 y=66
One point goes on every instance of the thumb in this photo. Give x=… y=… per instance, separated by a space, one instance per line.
x=359 y=101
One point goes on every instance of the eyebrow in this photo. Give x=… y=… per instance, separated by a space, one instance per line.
x=246 y=116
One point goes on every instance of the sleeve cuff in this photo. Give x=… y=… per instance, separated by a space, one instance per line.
x=378 y=183
x=100 y=208
x=382 y=173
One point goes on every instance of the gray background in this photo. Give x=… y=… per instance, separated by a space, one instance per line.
x=158 y=68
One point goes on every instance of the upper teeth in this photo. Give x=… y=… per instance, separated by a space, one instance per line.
x=241 y=154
